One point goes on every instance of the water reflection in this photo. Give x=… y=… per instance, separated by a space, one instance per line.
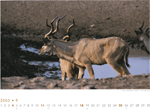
x=53 y=68
x=25 y=47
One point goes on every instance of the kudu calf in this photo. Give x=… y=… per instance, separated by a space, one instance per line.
x=143 y=37
x=87 y=51
x=67 y=68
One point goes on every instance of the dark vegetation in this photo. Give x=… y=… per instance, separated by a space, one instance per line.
x=11 y=63
x=12 y=55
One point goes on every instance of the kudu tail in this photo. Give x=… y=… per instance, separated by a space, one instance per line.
x=126 y=57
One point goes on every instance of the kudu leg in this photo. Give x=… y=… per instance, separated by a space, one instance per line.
x=63 y=76
x=126 y=71
x=81 y=72
x=69 y=75
x=90 y=70
x=116 y=67
x=123 y=67
x=75 y=76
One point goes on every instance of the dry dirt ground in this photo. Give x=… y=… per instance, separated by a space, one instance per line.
x=93 y=18
x=124 y=82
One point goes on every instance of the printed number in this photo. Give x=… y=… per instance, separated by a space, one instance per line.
x=4 y=100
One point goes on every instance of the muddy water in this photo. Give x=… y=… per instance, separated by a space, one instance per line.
x=139 y=65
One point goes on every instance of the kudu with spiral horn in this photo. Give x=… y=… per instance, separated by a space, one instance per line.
x=144 y=37
x=87 y=51
x=67 y=68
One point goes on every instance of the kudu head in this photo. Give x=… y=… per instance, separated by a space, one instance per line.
x=142 y=34
x=48 y=47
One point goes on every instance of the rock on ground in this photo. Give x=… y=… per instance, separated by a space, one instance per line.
x=120 y=82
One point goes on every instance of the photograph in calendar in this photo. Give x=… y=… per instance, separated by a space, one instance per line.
x=75 y=45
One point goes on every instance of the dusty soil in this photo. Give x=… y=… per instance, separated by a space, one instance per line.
x=124 y=82
x=94 y=18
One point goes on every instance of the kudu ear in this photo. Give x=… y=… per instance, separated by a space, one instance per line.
x=147 y=32
x=138 y=32
x=46 y=40
x=54 y=37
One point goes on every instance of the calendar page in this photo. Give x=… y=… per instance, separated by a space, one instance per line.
x=71 y=55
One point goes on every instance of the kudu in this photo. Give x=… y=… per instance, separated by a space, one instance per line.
x=143 y=37
x=67 y=68
x=87 y=51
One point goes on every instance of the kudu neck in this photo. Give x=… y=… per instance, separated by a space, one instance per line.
x=62 y=47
